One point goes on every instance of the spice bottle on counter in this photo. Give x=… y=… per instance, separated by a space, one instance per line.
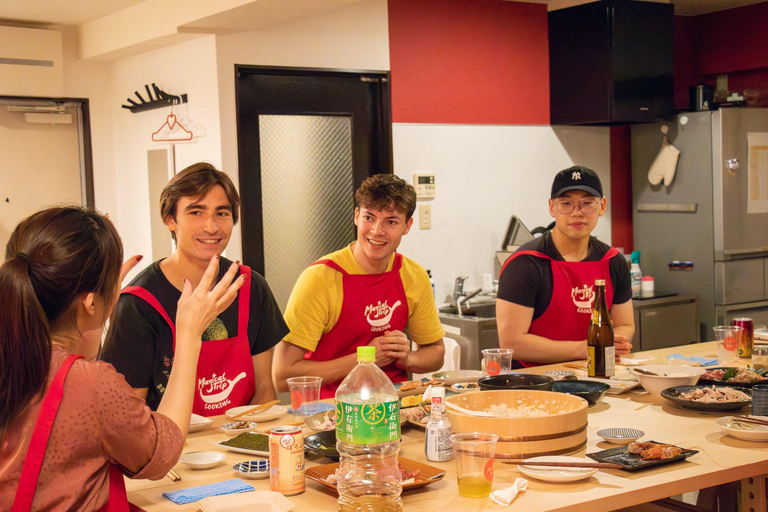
x=636 y=274
x=437 y=442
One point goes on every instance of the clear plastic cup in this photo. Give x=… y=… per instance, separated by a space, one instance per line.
x=497 y=360
x=728 y=337
x=475 y=454
x=305 y=394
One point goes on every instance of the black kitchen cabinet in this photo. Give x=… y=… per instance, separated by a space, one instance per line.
x=611 y=62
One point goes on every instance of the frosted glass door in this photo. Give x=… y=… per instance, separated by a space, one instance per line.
x=307 y=193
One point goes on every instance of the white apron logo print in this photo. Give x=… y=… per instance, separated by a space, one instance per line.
x=583 y=298
x=379 y=315
x=217 y=389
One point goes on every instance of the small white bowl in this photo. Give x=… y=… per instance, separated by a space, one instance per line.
x=252 y=468
x=235 y=428
x=667 y=376
x=620 y=436
x=197 y=423
x=202 y=460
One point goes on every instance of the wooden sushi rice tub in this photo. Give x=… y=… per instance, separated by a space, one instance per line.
x=546 y=423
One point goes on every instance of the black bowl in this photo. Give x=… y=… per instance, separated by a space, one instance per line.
x=323 y=443
x=588 y=390
x=516 y=381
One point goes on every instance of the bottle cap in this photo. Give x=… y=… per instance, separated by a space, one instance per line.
x=647 y=278
x=366 y=353
x=600 y=282
x=438 y=392
x=635 y=257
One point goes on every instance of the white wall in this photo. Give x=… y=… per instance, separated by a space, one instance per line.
x=352 y=37
x=187 y=68
x=483 y=176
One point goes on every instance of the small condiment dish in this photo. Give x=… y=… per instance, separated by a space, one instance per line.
x=202 y=460
x=253 y=469
x=621 y=436
x=238 y=427
x=198 y=423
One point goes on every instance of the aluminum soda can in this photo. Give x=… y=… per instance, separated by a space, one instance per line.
x=748 y=336
x=286 y=460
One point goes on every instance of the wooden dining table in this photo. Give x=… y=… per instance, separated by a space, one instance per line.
x=720 y=459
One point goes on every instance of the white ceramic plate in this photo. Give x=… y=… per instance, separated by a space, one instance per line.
x=632 y=361
x=558 y=475
x=270 y=414
x=453 y=376
x=252 y=469
x=232 y=428
x=254 y=500
x=745 y=431
x=202 y=460
x=461 y=387
x=242 y=450
x=197 y=423
x=620 y=436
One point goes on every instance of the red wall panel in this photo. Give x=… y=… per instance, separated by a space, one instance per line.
x=622 y=234
x=687 y=68
x=734 y=40
x=469 y=62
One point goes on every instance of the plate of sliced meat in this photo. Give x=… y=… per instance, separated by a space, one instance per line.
x=709 y=398
x=639 y=456
x=416 y=387
x=745 y=377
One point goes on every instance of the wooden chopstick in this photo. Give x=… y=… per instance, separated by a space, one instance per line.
x=747 y=419
x=174 y=476
x=256 y=409
x=601 y=465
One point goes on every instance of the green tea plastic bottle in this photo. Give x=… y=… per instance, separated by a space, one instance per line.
x=368 y=439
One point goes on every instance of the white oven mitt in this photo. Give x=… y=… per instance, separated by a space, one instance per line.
x=505 y=496
x=665 y=163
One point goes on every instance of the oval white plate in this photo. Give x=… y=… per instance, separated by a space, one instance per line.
x=252 y=469
x=557 y=475
x=620 y=436
x=202 y=460
x=270 y=414
x=228 y=428
x=745 y=431
x=197 y=423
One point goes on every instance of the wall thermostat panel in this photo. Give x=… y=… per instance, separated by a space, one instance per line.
x=424 y=185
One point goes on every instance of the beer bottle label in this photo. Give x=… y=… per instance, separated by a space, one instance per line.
x=610 y=361
x=591 y=361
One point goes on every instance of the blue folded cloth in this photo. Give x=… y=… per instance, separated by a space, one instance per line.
x=698 y=359
x=319 y=407
x=197 y=493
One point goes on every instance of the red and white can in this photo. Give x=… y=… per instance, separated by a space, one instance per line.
x=286 y=460
x=748 y=336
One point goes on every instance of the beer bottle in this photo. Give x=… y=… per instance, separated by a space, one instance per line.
x=600 y=336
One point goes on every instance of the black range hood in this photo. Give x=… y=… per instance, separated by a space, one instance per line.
x=611 y=62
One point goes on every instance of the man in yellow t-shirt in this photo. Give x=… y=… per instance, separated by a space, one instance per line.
x=364 y=294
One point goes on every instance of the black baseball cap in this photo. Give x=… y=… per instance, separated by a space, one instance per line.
x=577 y=178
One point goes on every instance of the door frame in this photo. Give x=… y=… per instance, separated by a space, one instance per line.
x=87 y=194
x=253 y=247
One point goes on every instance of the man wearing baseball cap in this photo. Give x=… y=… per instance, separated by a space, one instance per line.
x=545 y=288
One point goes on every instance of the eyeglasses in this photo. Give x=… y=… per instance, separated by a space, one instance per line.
x=566 y=206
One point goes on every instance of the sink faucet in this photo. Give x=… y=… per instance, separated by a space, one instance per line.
x=458 y=288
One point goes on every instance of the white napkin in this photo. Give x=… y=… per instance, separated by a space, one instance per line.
x=505 y=496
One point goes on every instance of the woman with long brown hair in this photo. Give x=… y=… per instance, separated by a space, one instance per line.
x=71 y=427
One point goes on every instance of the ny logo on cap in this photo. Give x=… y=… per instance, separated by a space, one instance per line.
x=576 y=175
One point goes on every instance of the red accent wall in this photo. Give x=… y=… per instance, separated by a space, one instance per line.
x=687 y=67
x=622 y=234
x=469 y=62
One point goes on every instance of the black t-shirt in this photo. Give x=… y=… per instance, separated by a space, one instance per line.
x=140 y=341
x=527 y=280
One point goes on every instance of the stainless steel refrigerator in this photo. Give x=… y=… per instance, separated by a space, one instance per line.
x=713 y=218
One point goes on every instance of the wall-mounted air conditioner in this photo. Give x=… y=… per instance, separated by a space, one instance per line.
x=31 y=62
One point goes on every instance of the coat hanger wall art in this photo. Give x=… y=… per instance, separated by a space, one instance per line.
x=172 y=131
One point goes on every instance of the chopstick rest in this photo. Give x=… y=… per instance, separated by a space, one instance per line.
x=257 y=408
x=191 y=494
x=505 y=496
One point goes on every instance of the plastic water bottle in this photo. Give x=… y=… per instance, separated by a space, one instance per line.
x=437 y=442
x=368 y=439
x=636 y=274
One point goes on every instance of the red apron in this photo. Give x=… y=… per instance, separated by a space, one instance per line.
x=573 y=290
x=373 y=304
x=25 y=494
x=225 y=377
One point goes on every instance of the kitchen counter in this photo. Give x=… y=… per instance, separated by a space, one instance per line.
x=721 y=459
x=665 y=320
